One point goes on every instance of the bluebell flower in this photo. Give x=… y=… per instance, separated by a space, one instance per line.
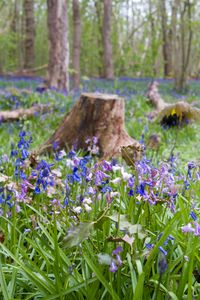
x=192 y=214
x=141 y=189
x=25 y=154
x=163 y=250
x=22 y=175
x=106 y=188
x=37 y=190
x=71 y=154
x=149 y=246
x=113 y=267
x=130 y=193
x=66 y=201
x=162 y=264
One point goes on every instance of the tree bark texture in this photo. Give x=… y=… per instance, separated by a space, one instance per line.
x=166 y=39
x=29 y=34
x=58 y=73
x=99 y=12
x=183 y=42
x=98 y=115
x=108 y=64
x=76 y=43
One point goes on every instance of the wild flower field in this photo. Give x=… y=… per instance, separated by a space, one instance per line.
x=76 y=227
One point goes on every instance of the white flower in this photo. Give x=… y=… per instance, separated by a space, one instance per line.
x=116 y=168
x=87 y=207
x=62 y=153
x=69 y=163
x=116 y=180
x=78 y=209
x=113 y=194
x=87 y=200
x=125 y=175
x=57 y=172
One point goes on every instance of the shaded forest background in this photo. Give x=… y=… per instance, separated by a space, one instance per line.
x=149 y=38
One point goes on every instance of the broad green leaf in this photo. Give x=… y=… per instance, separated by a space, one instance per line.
x=77 y=234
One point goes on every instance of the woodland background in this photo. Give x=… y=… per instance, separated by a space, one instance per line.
x=148 y=38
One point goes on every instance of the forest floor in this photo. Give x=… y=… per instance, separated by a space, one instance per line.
x=72 y=228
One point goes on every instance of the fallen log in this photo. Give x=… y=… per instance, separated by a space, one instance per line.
x=170 y=114
x=94 y=115
x=14 y=115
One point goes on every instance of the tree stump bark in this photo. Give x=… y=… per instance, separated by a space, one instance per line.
x=99 y=115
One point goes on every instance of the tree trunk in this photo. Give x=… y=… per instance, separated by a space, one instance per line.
x=94 y=115
x=183 y=44
x=58 y=76
x=99 y=13
x=166 y=47
x=108 y=64
x=29 y=34
x=76 y=43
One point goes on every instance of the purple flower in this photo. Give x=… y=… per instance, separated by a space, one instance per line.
x=131 y=182
x=187 y=228
x=99 y=176
x=37 y=190
x=117 y=250
x=163 y=250
x=113 y=267
x=197 y=229
x=192 y=214
x=162 y=264
x=149 y=246
x=119 y=261
x=106 y=166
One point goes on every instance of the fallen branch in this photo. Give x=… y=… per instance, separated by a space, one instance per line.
x=33 y=70
x=14 y=115
x=170 y=114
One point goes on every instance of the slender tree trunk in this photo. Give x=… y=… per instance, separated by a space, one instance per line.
x=29 y=34
x=153 y=38
x=16 y=27
x=108 y=64
x=99 y=12
x=166 y=41
x=58 y=71
x=183 y=44
x=76 y=43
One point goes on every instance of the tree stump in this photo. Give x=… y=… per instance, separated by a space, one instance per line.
x=99 y=115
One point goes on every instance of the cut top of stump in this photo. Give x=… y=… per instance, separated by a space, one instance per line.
x=101 y=96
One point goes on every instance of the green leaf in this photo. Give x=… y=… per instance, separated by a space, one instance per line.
x=104 y=259
x=3 y=285
x=77 y=234
x=125 y=225
x=139 y=287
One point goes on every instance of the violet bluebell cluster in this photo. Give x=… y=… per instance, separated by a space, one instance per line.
x=43 y=176
x=21 y=153
x=116 y=261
